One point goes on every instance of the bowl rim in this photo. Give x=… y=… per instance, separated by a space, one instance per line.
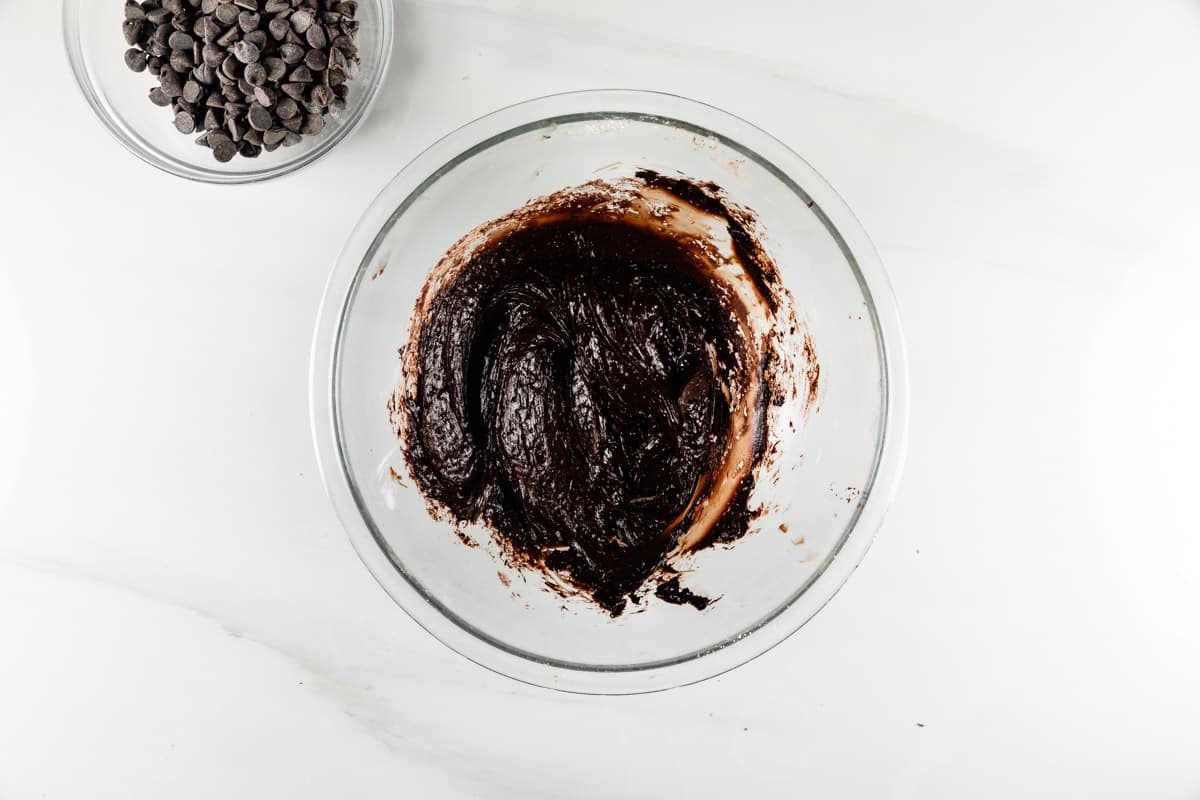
x=353 y=264
x=136 y=144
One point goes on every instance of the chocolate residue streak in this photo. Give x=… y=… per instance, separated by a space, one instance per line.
x=708 y=198
x=672 y=592
x=850 y=495
x=396 y=476
x=593 y=378
x=462 y=535
x=812 y=371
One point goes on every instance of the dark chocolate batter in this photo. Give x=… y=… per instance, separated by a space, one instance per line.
x=574 y=387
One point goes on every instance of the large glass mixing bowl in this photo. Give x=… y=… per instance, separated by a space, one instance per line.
x=839 y=466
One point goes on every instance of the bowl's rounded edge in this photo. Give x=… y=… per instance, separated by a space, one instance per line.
x=81 y=75
x=748 y=644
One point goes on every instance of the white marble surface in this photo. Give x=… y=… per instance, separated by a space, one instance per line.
x=182 y=617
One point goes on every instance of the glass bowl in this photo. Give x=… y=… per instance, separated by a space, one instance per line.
x=95 y=48
x=840 y=464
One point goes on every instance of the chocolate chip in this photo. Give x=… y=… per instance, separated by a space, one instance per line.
x=192 y=91
x=181 y=61
x=207 y=28
x=276 y=68
x=135 y=59
x=346 y=45
x=185 y=122
x=170 y=82
x=222 y=146
x=255 y=74
x=180 y=41
x=237 y=128
x=316 y=60
x=321 y=95
x=159 y=97
x=264 y=96
x=226 y=14
x=228 y=37
x=313 y=124
x=248 y=21
x=302 y=19
x=213 y=54
x=246 y=52
x=287 y=108
x=259 y=118
x=316 y=37
x=132 y=29
x=291 y=53
x=231 y=68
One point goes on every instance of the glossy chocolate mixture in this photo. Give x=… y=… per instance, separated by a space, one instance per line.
x=585 y=380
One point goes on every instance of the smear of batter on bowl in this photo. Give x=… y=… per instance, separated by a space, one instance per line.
x=591 y=377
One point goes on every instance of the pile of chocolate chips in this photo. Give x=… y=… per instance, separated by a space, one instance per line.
x=250 y=75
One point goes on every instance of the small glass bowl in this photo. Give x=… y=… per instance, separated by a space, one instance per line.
x=838 y=464
x=95 y=48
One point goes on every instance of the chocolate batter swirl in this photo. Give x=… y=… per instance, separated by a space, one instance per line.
x=583 y=380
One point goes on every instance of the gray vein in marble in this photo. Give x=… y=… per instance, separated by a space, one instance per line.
x=379 y=715
x=356 y=702
x=1026 y=186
